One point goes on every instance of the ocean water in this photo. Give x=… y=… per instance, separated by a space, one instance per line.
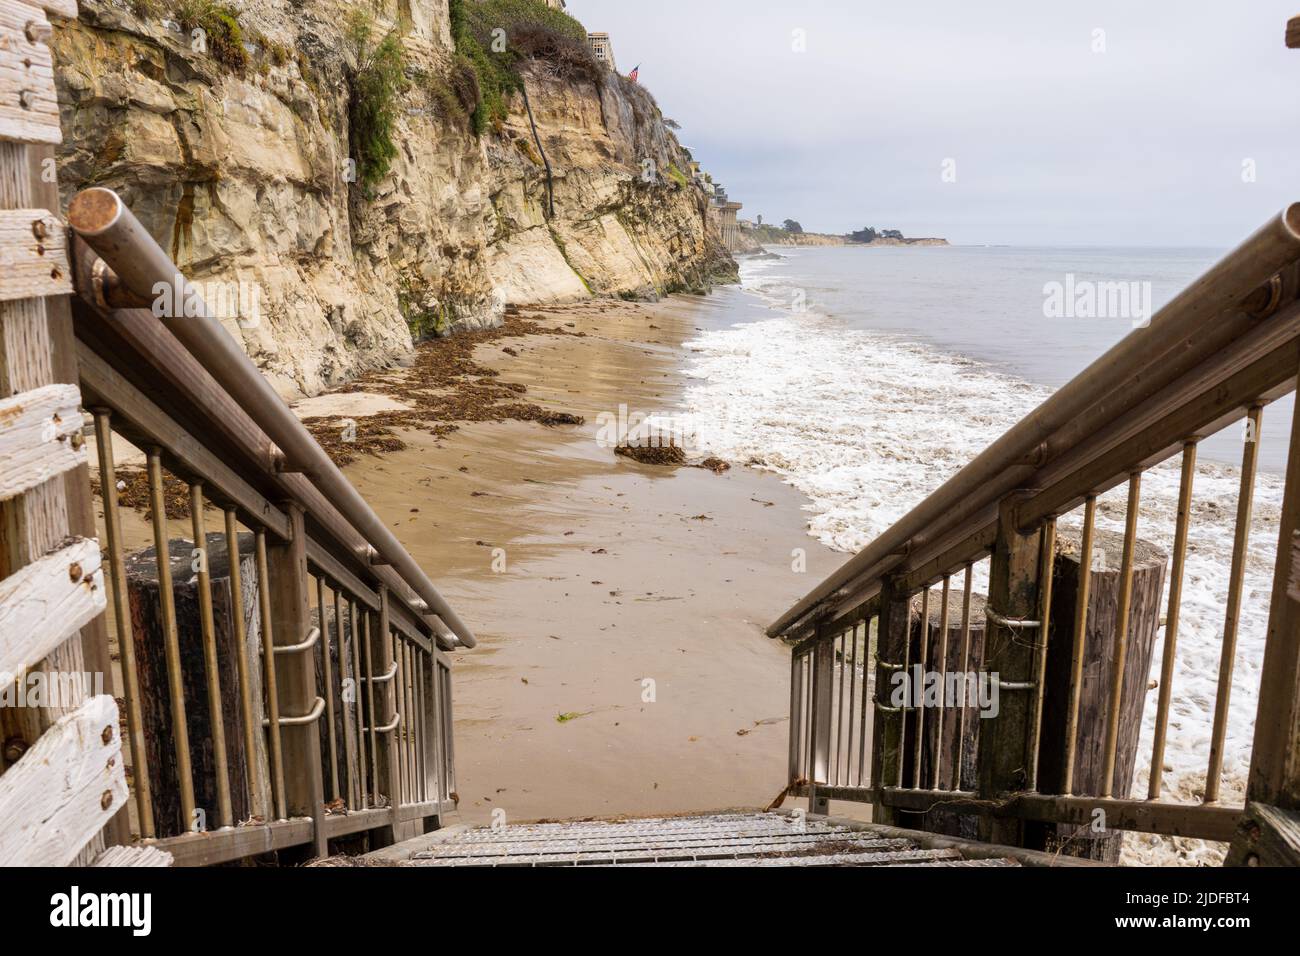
x=867 y=377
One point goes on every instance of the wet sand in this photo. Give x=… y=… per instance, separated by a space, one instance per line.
x=616 y=575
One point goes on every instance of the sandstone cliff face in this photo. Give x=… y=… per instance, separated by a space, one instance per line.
x=243 y=176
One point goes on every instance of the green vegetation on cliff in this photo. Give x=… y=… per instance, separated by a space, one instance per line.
x=492 y=37
x=376 y=84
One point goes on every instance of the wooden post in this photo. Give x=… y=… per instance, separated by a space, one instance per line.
x=1099 y=654
x=295 y=675
x=1273 y=788
x=34 y=352
x=246 y=795
x=887 y=722
x=1009 y=660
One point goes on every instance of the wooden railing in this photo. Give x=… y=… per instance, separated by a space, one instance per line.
x=1014 y=774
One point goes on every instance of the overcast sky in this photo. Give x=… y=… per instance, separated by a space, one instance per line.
x=1052 y=143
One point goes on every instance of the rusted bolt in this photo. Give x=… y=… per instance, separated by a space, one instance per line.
x=106 y=800
x=39 y=229
x=74 y=572
x=54 y=273
x=26 y=99
x=38 y=31
x=77 y=441
x=15 y=747
x=107 y=735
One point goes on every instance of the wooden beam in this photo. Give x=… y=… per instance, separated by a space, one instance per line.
x=887 y=723
x=223 y=846
x=1197 y=820
x=47 y=602
x=40 y=437
x=63 y=791
x=133 y=856
x=1266 y=836
x=33 y=254
x=29 y=109
x=1014 y=574
x=295 y=676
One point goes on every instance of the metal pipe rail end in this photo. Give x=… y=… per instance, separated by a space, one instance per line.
x=108 y=227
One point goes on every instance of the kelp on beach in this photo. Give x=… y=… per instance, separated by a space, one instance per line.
x=443 y=386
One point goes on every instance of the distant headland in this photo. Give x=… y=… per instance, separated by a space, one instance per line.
x=754 y=235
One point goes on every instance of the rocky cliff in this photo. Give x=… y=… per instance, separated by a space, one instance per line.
x=233 y=147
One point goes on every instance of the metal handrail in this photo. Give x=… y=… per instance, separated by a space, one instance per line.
x=304 y=645
x=100 y=217
x=1215 y=312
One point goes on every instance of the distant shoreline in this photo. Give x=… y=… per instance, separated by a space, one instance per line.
x=754 y=240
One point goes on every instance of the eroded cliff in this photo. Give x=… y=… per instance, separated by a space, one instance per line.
x=240 y=165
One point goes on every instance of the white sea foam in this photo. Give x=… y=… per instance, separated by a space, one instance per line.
x=867 y=425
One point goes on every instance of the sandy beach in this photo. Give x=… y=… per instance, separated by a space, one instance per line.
x=620 y=607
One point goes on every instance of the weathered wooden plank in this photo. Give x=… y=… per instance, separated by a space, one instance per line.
x=64 y=789
x=222 y=846
x=60 y=8
x=46 y=602
x=29 y=111
x=133 y=856
x=33 y=254
x=1266 y=836
x=40 y=437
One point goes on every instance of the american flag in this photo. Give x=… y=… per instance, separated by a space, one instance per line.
x=635 y=70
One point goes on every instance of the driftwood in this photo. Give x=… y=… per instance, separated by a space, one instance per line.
x=1094 y=699
x=249 y=798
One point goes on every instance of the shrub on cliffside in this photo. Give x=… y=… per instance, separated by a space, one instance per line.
x=376 y=84
x=494 y=36
x=220 y=25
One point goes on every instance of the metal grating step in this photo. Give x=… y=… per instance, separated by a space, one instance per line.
x=723 y=839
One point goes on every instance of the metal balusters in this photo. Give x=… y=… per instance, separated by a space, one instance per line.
x=1048 y=554
x=328 y=680
x=1080 y=631
x=268 y=674
x=243 y=672
x=122 y=619
x=902 y=707
x=358 y=723
x=853 y=688
x=424 y=726
x=1121 y=635
x=917 y=703
x=1171 y=623
x=171 y=638
x=372 y=720
x=943 y=686
x=866 y=698
x=1236 y=582
x=211 y=666
x=839 y=710
x=967 y=586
